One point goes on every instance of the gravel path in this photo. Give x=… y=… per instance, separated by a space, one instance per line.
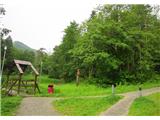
x=37 y=106
x=121 y=108
x=42 y=106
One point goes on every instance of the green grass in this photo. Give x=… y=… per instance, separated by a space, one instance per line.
x=84 y=106
x=129 y=88
x=146 y=106
x=84 y=89
x=9 y=105
x=71 y=90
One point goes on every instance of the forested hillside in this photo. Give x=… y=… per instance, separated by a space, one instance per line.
x=21 y=52
x=118 y=43
x=15 y=52
x=21 y=46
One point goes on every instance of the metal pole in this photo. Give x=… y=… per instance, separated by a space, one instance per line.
x=5 y=48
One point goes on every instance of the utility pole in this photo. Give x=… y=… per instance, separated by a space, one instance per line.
x=5 y=48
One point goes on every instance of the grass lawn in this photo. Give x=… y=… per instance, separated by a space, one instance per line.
x=71 y=90
x=146 y=106
x=84 y=89
x=84 y=106
x=9 y=105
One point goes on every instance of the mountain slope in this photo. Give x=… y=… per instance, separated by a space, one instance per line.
x=22 y=46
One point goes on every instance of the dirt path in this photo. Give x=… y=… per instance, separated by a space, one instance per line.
x=37 y=106
x=121 y=108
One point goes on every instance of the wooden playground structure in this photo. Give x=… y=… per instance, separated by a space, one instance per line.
x=18 y=83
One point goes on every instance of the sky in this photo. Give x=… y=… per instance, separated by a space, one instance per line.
x=40 y=23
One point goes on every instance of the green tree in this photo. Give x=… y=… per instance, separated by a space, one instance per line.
x=118 y=43
x=62 y=64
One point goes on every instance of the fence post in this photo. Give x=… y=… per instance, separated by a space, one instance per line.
x=77 y=77
x=113 y=91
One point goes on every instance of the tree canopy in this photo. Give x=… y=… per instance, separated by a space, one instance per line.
x=118 y=43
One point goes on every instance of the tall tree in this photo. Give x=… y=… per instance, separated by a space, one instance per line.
x=62 y=66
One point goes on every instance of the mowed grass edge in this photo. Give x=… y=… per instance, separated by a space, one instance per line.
x=146 y=106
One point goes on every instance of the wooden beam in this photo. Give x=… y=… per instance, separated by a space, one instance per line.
x=19 y=68
x=36 y=85
x=35 y=71
x=11 y=86
x=22 y=62
x=19 y=83
x=38 y=88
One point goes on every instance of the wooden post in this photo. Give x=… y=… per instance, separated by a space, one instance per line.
x=19 y=83
x=38 y=88
x=35 y=83
x=77 y=77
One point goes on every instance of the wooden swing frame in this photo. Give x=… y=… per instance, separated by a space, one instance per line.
x=21 y=66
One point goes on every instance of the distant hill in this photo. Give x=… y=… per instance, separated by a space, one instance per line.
x=22 y=46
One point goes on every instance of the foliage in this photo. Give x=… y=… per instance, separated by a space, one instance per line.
x=14 y=53
x=62 y=65
x=117 y=44
x=26 y=55
x=9 y=105
x=85 y=106
x=146 y=106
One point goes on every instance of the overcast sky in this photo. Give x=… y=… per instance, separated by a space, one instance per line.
x=40 y=23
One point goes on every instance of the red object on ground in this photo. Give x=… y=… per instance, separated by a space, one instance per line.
x=50 y=89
